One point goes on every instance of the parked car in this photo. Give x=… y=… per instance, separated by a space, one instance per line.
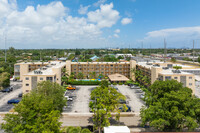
x=69 y=98
x=134 y=87
x=15 y=101
x=20 y=95
x=123 y=110
x=71 y=88
x=130 y=84
x=11 y=88
x=139 y=91
x=142 y=96
x=6 y=90
x=122 y=101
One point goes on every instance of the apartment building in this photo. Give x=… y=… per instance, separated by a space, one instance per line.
x=32 y=73
x=51 y=72
x=165 y=71
x=25 y=67
x=104 y=68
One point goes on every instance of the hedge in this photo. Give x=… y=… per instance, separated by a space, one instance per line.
x=84 y=82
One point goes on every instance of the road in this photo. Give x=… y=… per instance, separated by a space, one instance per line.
x=197 y=89
x=4 y=97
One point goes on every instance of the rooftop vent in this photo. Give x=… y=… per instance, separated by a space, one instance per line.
x=156 y=65
x=176 y=71
x=165 y=68
x=37 y=72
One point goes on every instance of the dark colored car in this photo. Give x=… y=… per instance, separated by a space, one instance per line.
x=122 y=101
x=123 y=110
x=15 y=101
x=6 y=90
x=130 y=84
x=11 y=88
x=20 y=95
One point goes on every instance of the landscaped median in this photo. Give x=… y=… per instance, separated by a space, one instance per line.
x=84 y=82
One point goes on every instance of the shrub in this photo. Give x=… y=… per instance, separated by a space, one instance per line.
x=86 y=131
x=114 y=83
x=84 y=82
x=120 y=83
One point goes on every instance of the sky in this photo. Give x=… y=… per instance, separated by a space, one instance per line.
x=63 y=24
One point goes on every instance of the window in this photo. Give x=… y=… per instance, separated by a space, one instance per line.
x=190 y=84
x=175 y=77
x=27 y=84
x=190 y=77
x=41 y=78
x=49 y=78
x=167 y=77
x=27 y=78
x=27 y=90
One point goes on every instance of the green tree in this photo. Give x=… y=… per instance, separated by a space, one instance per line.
x=38 y=112
x=80 y=75
x=177 y=67
x=120 y=57
x=104 y=101
x=92 y=75
x=173 y=59
x=171 y=107
x=198 y=60
x=4 y=80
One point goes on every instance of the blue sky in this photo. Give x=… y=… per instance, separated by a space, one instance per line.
x=99 y=23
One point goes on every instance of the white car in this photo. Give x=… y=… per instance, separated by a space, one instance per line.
x=69 y=98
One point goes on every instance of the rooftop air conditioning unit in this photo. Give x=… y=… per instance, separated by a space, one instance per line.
x=176 y=71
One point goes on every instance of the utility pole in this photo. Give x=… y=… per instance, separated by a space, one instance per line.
x=40 y=56
x=5 y=49
x=150 y=51
x=142 y=49
x=165 y=50
x=193 y=51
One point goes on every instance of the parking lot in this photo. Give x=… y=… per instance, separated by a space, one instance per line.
x=132 y=97
x=81 y=96
x=80 y=103
x=4 y=97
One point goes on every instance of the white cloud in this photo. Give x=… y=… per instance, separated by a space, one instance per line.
x=126 y=21
x=117 y=31
x=83 y=9
x=99 y=2
x=176 y=37
x=50 y=26
x=105 y=16
x=116 y=35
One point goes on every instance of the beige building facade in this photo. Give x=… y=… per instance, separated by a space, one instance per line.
x=165 y=71
x=32 y=73
x=104 y=68
x=51 y=72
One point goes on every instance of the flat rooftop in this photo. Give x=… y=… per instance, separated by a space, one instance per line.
x=117 y=77
x=170 y=72
x=47 y=70
x=151 y=64
x=127 y=62
x=38 y=63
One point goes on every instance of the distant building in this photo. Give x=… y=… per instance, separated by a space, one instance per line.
x=123 y=55
x=94 y=58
